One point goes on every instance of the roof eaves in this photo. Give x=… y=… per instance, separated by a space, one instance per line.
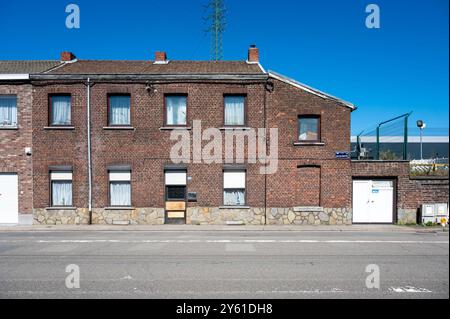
x=14 y=76
x=309 y=89
x=152 y=76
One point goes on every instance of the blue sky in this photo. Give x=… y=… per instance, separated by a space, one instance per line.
x=401 y=67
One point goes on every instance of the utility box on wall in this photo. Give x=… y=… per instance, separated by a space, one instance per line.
x=434 y=213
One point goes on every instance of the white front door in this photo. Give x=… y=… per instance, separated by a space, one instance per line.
x=373 y=201
x=9 y=201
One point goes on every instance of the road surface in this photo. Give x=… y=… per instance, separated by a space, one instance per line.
x=223 y=264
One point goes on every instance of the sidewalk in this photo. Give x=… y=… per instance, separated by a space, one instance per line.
x=205 y=228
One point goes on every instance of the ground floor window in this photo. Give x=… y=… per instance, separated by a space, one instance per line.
x=61 y=188
x=120 y=188
x=175 y=192
x=234 y=187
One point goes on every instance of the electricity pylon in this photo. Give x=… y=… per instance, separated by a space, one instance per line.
x=216 y=26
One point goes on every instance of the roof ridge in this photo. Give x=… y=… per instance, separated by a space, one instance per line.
x=151 y=61
x=29 y=61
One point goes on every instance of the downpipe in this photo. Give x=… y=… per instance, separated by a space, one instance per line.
x=88 y=94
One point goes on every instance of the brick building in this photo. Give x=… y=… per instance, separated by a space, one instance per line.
x=16 y=137
x=104 y=134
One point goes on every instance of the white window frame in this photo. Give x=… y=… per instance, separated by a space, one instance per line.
x=60 y=176
x=235 y=180
x=119 y=177
x=13 y=122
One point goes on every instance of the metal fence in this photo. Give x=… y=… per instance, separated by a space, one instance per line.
x=387 y=141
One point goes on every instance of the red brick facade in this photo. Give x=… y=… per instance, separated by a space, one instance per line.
x=288 y=187
x=145 y=146
x=311 y=185
x=13 y=142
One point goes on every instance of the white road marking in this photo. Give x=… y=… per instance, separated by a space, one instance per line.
x=409 y=289
x=264 y=241
x=219 y=241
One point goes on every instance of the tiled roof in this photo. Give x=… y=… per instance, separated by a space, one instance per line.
x=27 y=67
x=148 y=67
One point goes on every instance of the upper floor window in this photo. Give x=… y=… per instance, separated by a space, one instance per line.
x=234 y=110
x=176 y=110
x=309 y=128
x=234 y=187
x=60 y=110
x=61 y=188
x=8 y=110
x=119 y=109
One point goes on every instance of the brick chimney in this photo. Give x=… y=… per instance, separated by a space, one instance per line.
x=160 y=57
x=253 y=54
x=67 y=56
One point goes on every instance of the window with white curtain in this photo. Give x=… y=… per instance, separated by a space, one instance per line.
x=8 y=110
x=234 y=110
x=120 y=188
x=176 y=110
x=234 y=188
x=119 y=110
x=60 y=110
x=61 y=188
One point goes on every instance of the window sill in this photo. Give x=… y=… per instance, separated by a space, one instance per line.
x=234 y=128
x=119 y=208
x=9 y=127
x=308 y=209
x=123 y=128
x=309 y=143
x=59 y=127
x=171 y=128
x=60 y=208
x=234 y=207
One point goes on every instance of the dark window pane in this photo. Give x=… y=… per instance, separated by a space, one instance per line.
x=309 y=129
x=176 y=192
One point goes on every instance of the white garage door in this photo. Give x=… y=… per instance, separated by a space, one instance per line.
x=9 y=202
x=373 y=201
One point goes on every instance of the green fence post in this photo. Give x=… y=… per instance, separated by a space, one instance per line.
x=405 y=139
x=378 y=143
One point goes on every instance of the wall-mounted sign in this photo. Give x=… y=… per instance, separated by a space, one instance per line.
x=192 y=197
x=343 y=155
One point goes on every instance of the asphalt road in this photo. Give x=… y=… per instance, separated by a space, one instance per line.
x=223 y=264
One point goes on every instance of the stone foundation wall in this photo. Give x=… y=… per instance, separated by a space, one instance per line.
x=309 y=216
x=75 y=216
x=78 y=216
x=201 y=216
x=222 y=216
x=275 y=216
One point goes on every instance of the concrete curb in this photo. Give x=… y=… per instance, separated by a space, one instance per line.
x=206 y=228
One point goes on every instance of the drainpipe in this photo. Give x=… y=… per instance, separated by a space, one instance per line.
x=266 y=128
x=88 y=94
